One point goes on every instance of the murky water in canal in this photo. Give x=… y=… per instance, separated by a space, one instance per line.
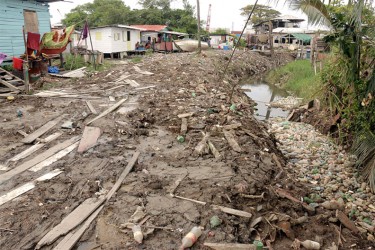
x=263 y=93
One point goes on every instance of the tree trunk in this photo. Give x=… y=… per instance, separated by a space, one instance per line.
x=199 y=27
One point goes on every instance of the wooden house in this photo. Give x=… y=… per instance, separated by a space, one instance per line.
x=114 y=40
x=14 y=14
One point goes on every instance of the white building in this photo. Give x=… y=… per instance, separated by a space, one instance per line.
x=114 y=40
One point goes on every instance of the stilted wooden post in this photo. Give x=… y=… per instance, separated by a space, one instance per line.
x=25 y=64
x=199 y=28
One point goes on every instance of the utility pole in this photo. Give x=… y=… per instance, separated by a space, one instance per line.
x=199 y=28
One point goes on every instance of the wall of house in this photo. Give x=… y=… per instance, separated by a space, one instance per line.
x=12 y=21
x=113 y=39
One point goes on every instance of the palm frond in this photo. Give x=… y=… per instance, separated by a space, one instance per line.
x=315 y=10
x=364 y=149
x=356 y=15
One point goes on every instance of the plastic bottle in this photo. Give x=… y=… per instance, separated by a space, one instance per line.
x=311 y=245
x=137 y=232
x=191 y=237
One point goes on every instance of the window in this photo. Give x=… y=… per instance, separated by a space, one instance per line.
x=128 y=34
x=116 y=36
x=123 y=36
x=98 y=36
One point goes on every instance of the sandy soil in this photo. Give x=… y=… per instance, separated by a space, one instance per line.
x=148 y=122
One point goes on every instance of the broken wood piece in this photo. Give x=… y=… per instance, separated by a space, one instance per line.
x=148 y=87
x=176 y=184
x=71 y=239
x=347 y=222
x=75 y=73
x=35 y=147
x=217 y=207
x=278 y=164
x=42 y=130
x=39 y=158
x=232 y=142
x=126 y=171
x=132 y=83
x=89 y=138
x=11 y=86
x=253 y=196
x=214 y=151
x=232 y=211
x=23 y=133
x=71 y=221
x=109 y=110
x=202 y=144
x=142 y=71
x=91 y=107
x=232 y=126
x=230 y=246
x=184 y=126
x=185 y=115
x=27 y=187
x=284 y=194
x=54 y=158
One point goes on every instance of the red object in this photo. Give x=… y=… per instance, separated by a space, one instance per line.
x=33 y=40
x=17 y=63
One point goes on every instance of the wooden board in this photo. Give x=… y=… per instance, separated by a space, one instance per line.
x=109 y=110
x=71 y=221
x=123 y=175
x=54 y=158
x=31 y=21
x=39 y=158
x=35 y=147
x=89 y=138
x=232 y=211
x=27 y=187
x=91 y=107
x=232 y=142
x=42 y=130
x=230 y=246
x=71 y=238
x=184 y=126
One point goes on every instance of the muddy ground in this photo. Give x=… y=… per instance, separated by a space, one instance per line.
x=148 y=122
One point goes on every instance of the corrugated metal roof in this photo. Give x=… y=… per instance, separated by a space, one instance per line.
x=150 y=27
x=302 y=37
x=118 y=26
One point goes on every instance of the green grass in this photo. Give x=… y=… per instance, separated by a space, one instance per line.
x=73 y=62
x=297 y=77
x=136 y=59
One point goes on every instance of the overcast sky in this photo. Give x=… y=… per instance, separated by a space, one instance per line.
x=224 y=13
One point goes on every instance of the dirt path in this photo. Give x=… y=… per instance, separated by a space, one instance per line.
x=148 y=122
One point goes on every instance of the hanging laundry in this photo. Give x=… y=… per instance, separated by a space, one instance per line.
x=56 y=41
x=2 y=57
x=33 y=40
x=85 y=31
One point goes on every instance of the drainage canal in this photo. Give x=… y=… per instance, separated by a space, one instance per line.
x=263 y=94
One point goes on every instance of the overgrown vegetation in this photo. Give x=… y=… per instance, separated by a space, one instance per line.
x=349 y=77
x=73 y=62
x=297 y=77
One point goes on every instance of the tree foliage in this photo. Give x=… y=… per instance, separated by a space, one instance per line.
x=107 y=12
x=261 y=13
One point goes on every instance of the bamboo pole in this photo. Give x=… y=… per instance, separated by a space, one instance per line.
x=199 y=28
x=92 y=47
x=25 y=65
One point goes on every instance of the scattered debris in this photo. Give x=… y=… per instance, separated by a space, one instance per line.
x=42 y=130
x=109 y=110
x=190 y=239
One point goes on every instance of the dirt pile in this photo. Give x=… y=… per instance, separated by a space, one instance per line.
x=201 y=156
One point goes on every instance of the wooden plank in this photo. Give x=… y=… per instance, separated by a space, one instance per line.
x=11 y=86
x=229 y=246
x=123 y=175
x=54 y=158
x=27 y=187
x=35 y=147
x=39 y=158
x=185 y=115
x=347 y=222
x=142 y=71
x=82 y=212
x=232 y=142
x=213 y=149
x=42 y=130
x=232 y=211
x=109 y=110
x=184 y=126
x=72 y=238
x=91 y=107
x=71 y=221
x=89 y=138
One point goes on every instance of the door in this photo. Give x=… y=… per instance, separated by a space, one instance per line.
x=31 y=21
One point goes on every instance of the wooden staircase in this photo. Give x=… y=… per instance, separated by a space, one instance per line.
x=10 y=83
